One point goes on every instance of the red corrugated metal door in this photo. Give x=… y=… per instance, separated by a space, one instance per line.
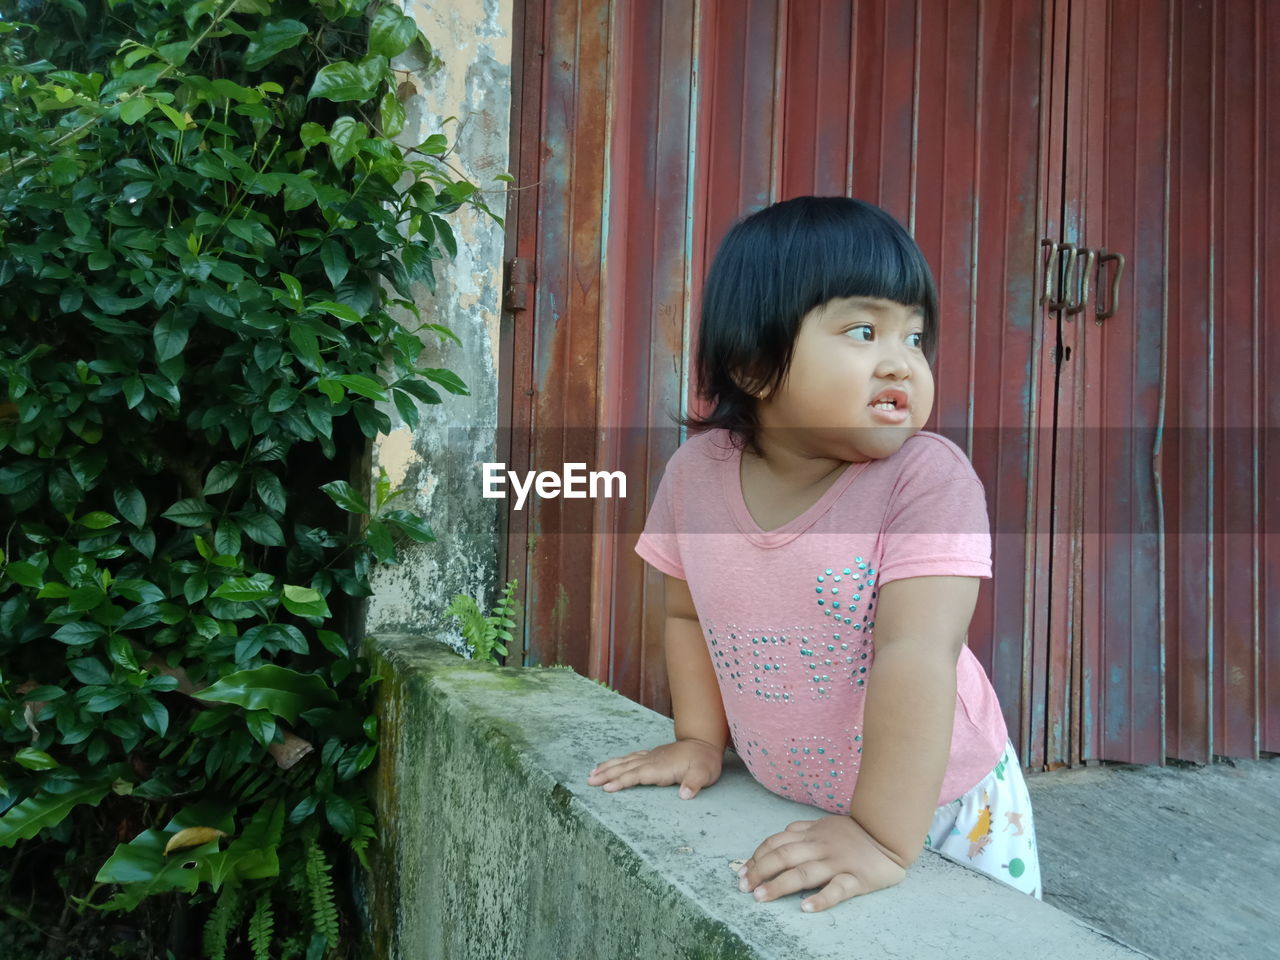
x=1173 y=608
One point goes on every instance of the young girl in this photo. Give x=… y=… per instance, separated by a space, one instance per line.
x=822 y=555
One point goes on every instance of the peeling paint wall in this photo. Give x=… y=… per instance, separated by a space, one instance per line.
x=439 y=461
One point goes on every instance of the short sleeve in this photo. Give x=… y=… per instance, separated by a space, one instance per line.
x=657 y=543
x=942 y=531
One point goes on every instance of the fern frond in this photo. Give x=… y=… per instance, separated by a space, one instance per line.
x=364 y=829
x=222 y=920
x=324 y=912
x=261 y=927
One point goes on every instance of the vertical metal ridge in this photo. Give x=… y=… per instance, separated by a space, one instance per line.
x=778 y=123
x=915 y=120
x=1256 y=414
x=851 y=128
x=695 y=92
x=1209 y=420
x=974 y=234
x=1160 y=406
x=884 y=45
x=1131 y=399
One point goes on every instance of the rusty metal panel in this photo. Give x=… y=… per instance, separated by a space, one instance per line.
x=643 y=347
x=561 y=153
x=1167 y=398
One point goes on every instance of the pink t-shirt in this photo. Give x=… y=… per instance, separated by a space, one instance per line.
x=789 y=614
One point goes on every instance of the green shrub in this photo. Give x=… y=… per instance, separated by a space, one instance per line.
x=207 y=251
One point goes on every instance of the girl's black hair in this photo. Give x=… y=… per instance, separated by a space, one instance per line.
x=771 y=269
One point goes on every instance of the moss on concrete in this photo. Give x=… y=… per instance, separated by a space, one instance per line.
x=485 y=854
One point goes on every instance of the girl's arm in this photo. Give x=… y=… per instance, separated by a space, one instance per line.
x=921 y=626
x=695 y=695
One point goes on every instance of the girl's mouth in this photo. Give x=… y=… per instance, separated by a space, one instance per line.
x=888 y=413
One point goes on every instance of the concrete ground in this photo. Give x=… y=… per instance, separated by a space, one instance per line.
x=1179 y=862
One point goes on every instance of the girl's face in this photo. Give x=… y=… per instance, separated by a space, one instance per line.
x=851 y=352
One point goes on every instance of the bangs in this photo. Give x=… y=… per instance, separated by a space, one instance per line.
x=833 y=261
x=776 y=265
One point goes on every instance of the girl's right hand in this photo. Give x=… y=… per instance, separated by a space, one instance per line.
x=693 y=764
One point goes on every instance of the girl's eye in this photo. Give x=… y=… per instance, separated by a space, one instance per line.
x=861 y=326
x=919 y=339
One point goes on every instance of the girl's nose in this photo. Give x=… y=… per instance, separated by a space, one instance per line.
x=893 y=360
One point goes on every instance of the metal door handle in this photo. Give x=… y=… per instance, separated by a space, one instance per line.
x=1084 y=282
x=1115 y=285
x=1050 y=274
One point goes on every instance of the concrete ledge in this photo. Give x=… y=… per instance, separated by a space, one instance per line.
x=493 y=845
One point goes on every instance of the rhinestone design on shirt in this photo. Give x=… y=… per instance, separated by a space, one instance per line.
x=798 y=666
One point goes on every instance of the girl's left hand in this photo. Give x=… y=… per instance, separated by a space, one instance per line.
x=834 y=850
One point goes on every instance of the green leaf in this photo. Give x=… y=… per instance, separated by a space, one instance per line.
x=339 y=310
x=262 y=725
x=295 y=289
x=226 y=539
x=221 y=478
x=196 y=588
x=364 y=386
x=142 y=865
x=345 y=496
x=252 y=232
x=47 y=809
x=133 y=110
x=341 y=816
x=78 y=632
x=139 y=591
x=34 y=759
x=447 y=379
x=170 y=335
x=134 y=391
x=420 y=389
x=392 y=115
x=155 y=715
x=271 y=491
x=285 y=693
x=274 y=38
x=131 y=504
x=89 y=670
x=336 y=266
x=246 y=589
x=391 y=32
x=143 y=615
x=349 y=81
x=19 y=476
x=25 y=574
x=412 y=526
x=120 y=651
x=83 y=599
x=261 y=528
x=190 y=513
x=333 y=643
x=308 y=346
x=97 y=520
x=144 y=541
x=406 y=407
x=380 y=542
x=304 y=602
x=346 y=137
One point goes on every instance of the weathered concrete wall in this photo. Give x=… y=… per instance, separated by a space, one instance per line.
x=439 y=461
x=494 y=846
